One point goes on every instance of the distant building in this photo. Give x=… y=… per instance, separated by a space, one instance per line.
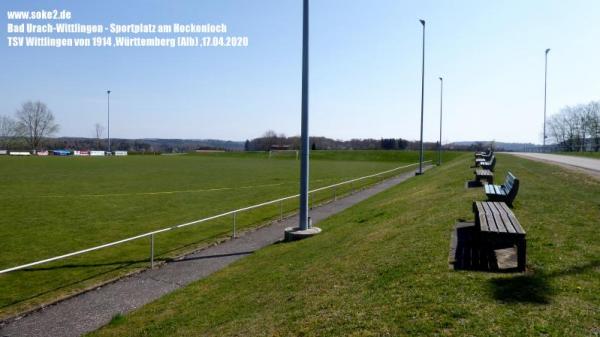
x=280 y=147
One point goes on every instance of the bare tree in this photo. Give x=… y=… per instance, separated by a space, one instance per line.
x=35 y=122
x=595 y=125
x=98 y=131
x=7 y=131
x=269 y=139
x=557 y=129
x=589 y=125
x=270 y=134
x=576 y=128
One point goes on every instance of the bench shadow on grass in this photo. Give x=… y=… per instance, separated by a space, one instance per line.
x=534 y=288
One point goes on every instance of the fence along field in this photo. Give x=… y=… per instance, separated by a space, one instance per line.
x=59 y=205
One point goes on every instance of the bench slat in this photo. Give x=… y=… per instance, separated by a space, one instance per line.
x=492 y=225
x=508 y=225
x=485 y=207
x=513 y=219
x=483 y=172
x=516 y=225
x=502 y=227
x=505 y=208
x=483 y=224
x=496 y=217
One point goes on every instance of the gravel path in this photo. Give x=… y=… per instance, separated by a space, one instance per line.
x=93 y=309
x=582 y=164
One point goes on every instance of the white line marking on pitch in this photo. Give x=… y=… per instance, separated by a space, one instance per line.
x=161 y=192
x=180 y=191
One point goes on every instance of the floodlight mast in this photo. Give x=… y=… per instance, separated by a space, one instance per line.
x=441 y=104
x=304 y=146
x=422 y=99
x=108 y=118
x=545 y=91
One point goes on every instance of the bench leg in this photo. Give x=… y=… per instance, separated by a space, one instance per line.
x=487 y=258
x=492 y=261
x=521 y=254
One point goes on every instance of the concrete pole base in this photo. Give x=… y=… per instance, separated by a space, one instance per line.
x=419 y=173
x=295 y=233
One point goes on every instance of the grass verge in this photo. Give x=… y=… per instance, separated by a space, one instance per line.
x=380 y=269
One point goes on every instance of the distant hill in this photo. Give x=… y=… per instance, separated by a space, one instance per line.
x=264 y=143
x=500 y=146
x=144 y=145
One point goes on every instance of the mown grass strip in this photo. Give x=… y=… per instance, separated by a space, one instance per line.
x=380 y=268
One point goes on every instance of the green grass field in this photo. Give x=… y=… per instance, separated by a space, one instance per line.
x=52 y=206
x=381 y=269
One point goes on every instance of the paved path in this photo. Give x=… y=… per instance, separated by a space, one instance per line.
x=93 y=309
x=588 y=165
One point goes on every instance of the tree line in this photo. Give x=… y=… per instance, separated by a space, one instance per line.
x=271 y=139
x=32 y=124
x=576 y=128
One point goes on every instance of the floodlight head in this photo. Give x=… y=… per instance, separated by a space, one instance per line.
x=547 y=50
x=108 y=92
x=441 y=79
x=422 y=22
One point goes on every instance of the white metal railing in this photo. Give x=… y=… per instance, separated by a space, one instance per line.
x=233 y=212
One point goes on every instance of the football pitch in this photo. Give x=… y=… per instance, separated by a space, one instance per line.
x=52 y=206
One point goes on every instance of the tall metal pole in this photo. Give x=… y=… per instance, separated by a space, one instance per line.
x=441 y=101
x=305 y=148
x=422 y=100
x=545 y=90
x=108 y=112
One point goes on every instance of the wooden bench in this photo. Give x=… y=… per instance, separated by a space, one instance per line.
x=479 y=159
x=489 y=165
x=483 y=174
x=506 y=192
x=485 y=155
x=498 y=228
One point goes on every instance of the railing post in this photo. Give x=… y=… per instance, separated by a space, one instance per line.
x=234 y=216
x=152 y=251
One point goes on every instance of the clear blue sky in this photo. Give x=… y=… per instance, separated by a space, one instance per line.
x=365 y=69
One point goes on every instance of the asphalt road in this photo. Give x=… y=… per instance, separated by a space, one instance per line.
x=93 y=309
x=579 y=162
